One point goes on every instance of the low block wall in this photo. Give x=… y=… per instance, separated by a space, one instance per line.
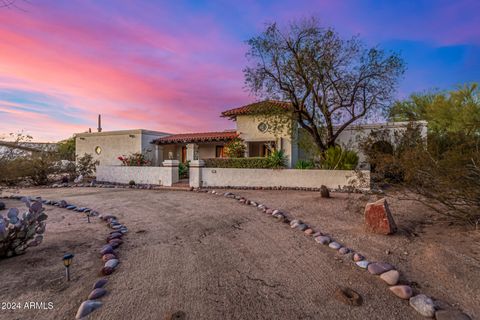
x=290 y=178
x=164 y=176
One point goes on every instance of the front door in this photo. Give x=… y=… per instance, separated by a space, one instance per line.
x=184 y=154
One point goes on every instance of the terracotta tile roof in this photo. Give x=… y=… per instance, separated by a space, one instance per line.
x=256 y=107
x=197 y=137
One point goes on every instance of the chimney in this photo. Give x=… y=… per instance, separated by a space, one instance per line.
x=89 y=130
x=99 y=123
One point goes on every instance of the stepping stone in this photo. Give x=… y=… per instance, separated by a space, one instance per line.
x=451 y=315
x=335 y=245
x=323 y=240
x=362 y=264
x=379 y=267
x=100 y=283
x=402 y=291
x=390 y=277
x=86 y=308
x=423 y=305
x=97 y=293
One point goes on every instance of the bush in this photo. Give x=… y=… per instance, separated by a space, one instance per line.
x=336 y=158
x=304 y=164
x=183 y=170
x=131 y=183
x=85 y=165
x=235 y=148
x=277 y=159
x=135 y=159
x=253 y=163
x=19 y=232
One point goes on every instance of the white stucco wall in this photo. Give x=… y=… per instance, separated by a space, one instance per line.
x=291 y=178
x=116 y=143
x=165 y=176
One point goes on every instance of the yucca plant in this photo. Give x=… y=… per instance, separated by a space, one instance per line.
x=336 y=158
x=277 y=159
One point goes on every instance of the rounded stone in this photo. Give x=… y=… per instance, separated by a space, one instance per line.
x=423 y=305
x=308 y=231
x=107 y=271
x=86 y=308
x=112 y=263
x=323 y=240
x=377 y=268
x=402 y=291
x=97 y=293
x=106 y=249
x=100 y=283
x=362 y=264
x=2 y=206
x=358 y=257
x=317 y=234
x=108 y=256
x=302 y=227
x=343 y=250
x=390 y=277
x=295 y=221
x=335 y=245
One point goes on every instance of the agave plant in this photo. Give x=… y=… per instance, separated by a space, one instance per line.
x=18 y=232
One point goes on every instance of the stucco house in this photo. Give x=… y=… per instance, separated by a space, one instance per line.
x=256 y=134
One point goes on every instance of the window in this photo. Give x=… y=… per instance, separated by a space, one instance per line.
x=98 y=150
x=219 y=152
x=262 y=127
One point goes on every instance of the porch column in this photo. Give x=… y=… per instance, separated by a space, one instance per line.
x=158 y=155
x=192 y=152
x=172 y=175
x=195 y=174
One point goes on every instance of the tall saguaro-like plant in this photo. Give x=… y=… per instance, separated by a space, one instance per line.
x=330 y=82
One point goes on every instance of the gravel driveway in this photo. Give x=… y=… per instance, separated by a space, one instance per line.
x=209 y=257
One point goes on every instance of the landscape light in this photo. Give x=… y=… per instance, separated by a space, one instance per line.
x=67 y=261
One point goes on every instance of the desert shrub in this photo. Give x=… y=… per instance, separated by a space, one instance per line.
x=42 y=166
x=131 y=183
x=19 y=232
x=66 y=149
x=85 y=165
x=135 y=159
x=235 y=148
x=304 y=164
x=336 y=158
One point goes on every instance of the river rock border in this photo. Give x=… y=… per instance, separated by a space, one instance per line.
x=108 y=252
x=421 y=303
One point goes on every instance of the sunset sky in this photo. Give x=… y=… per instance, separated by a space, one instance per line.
x=173 y=66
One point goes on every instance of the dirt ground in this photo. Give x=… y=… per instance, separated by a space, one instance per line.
x=213 y=258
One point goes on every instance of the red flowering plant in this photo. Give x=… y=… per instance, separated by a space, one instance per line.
x=135 y=159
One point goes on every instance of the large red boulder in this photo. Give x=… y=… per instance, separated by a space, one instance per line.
x=378 y=218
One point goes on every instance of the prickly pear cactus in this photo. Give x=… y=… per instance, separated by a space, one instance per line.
x=18 y=232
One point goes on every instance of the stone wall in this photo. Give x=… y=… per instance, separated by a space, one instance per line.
x=164 y=176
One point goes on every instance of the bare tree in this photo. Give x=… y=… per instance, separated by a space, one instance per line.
x=330 y=82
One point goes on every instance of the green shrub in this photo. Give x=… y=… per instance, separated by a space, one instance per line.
x=183 y=169
x=253 y=163
x=85 y=165
x=235 y=148
x=277 y=159
x=336 y=158
x=131 y=183
x=304 y=164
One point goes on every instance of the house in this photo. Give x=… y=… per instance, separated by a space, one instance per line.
x=251 y=127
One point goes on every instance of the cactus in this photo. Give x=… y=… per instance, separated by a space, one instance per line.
x=18 y=232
